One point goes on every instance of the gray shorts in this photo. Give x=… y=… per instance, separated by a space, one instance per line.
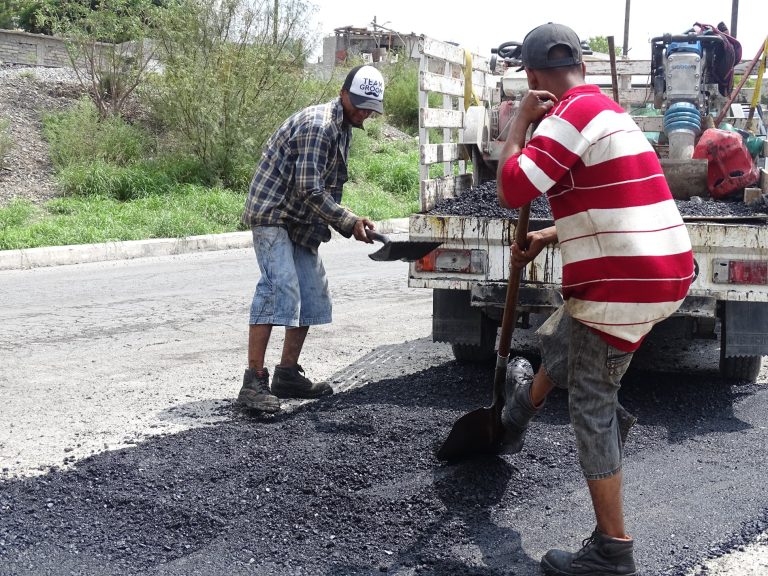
x=577 y=359
x=292 y=290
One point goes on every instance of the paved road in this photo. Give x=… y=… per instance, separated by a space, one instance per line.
x=104 y=356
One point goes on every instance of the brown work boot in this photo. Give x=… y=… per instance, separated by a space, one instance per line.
x=255 y=392
x=600 y=555
x=290 y=382
x=518 y=409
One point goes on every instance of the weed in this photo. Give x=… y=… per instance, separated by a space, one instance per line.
x=6 y=141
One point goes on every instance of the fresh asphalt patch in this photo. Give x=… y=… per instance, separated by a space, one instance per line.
x=349 y=485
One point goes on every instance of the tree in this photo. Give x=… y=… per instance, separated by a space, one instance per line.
x=7 y=13
x=600 y=44
x=109 y=43
x=229 y=80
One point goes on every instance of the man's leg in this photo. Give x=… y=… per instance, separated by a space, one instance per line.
x=541 y=387
x=255 y=393
x=270 y=251
x=258 y=339
x=607 y=502
x=292 y=345
x=594 y=377
x=289 y=380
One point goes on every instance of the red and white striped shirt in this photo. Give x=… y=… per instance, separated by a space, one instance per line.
x=627 y=259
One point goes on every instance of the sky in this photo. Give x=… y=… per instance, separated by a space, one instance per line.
x=484 y=24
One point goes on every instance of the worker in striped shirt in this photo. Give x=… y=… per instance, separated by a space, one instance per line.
x=295 y=195
x=627 y=264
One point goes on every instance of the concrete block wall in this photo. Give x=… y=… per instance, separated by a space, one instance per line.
x=33 y=49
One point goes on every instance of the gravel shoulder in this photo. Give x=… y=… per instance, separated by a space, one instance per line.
x=26 y=94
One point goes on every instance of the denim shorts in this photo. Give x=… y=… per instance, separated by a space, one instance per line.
x=577 y=359
x=292 y=290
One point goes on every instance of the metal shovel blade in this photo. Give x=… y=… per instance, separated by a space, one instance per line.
x=397 y=250
x=481 y=431
x=477 y=432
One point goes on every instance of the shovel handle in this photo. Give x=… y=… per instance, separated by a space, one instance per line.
x=373 y=235
x=513 y=287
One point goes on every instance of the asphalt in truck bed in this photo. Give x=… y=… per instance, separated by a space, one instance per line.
x=482 y=201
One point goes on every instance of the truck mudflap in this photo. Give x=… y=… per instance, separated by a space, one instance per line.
x=745 y=329
x=455 y=321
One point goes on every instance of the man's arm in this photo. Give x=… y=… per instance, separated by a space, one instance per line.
x=537 y=241
x=313 y=148
x=534 y=105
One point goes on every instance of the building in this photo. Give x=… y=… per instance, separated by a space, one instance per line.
x=378 y=45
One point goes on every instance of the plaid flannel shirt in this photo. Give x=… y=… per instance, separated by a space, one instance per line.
x=298 y=182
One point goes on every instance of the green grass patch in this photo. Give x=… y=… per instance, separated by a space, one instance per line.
x=187 y=210
x=115 y=189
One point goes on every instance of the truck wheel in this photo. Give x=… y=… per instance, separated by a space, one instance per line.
x=740 y=368
x=472 y=354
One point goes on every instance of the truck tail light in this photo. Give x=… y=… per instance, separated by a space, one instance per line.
x=740 y=272
x=454 y=260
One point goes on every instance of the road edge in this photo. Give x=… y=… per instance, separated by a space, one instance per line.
x=27 y=258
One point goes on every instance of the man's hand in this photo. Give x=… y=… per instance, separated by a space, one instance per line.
x=537 y=241
x=534 y=105
x=359 y=230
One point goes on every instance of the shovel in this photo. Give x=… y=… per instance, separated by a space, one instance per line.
x=397 y=250
x=481 y=431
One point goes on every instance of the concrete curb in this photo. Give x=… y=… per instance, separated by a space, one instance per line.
x=82 y=253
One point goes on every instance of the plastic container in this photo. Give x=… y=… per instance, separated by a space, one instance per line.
x=730 y=167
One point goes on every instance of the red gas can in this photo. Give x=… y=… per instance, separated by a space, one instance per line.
x=730 y=166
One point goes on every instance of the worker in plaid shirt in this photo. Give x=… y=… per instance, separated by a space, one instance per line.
x=294 y=197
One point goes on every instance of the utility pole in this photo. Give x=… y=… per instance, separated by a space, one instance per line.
x=734 y=17
x=625 y=48
x=275 y=13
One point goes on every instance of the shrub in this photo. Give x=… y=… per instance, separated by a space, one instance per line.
x=77 y=135
x=401 y=96
x=120 y=182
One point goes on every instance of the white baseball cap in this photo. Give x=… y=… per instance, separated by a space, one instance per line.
x=365 y=85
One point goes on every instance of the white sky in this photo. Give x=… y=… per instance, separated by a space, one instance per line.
x=484 y=24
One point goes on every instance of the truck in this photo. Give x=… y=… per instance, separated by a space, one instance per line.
x=465 y=102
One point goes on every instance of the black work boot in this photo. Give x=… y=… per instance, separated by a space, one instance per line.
x=255 y=392
x=290 y=382
x=518 y=410
x=601 y=555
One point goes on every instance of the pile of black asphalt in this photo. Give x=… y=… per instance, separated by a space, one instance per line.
x=482 y=201
x=349 y=485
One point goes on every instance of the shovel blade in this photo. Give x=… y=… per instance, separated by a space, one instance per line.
x=406 y=251
x=475 y=433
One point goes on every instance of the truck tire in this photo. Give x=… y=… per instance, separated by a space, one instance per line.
x=468 y=353
x=740 y=368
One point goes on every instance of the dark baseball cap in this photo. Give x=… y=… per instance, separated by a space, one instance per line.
x=539 y=41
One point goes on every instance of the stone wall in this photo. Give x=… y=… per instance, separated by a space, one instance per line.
x=33 y=49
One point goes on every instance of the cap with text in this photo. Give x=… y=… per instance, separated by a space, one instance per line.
x=539 y=41
x=365 y=85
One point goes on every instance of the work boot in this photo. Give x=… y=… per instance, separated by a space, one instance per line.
x=601 y=555
x=290 y=382
x=626 y=421
x=518 y=409
x=255 y=392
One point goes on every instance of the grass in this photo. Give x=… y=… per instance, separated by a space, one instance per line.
x=110 y=200
x=187 y=210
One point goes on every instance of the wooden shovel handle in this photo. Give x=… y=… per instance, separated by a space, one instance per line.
x=513 y=287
